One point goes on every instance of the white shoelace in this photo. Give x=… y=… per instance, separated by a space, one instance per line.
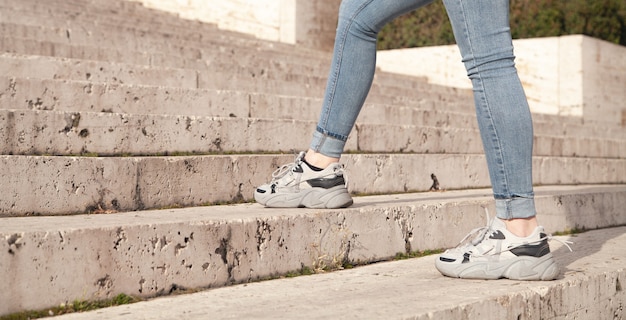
x=286 y=168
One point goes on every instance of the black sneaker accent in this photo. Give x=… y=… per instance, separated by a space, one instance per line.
x=533 y=250
x=314 y=168
x=497 y=235
x=325 y=189
x=326 y=183
x=515 y=258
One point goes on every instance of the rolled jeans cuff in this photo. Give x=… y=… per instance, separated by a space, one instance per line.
x=327 y=145
x=516 y=207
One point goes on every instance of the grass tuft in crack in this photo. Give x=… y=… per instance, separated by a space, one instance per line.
x=72 y=307
x=417 y=254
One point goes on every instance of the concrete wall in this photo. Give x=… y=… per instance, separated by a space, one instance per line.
x=604 y=81
x=570 y=75
x=307 y=22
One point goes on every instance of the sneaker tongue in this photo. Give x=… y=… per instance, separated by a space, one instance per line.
x=498 y=224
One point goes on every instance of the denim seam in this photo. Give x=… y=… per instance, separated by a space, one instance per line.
x=331 y=134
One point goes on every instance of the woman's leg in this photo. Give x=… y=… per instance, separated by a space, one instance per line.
x=352 y=69
x=315 y=180
x=513 y=246
x=481 y=29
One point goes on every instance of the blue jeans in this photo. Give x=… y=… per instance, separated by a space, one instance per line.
x=481 y=29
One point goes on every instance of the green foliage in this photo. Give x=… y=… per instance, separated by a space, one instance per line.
x=429 y=26
x=569 y=232
x=304 y=271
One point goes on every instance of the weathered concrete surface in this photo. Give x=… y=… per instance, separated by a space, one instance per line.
x=33 y=132
x=35 y=185
x=603 y=100
x=115 y=42
x=82 y=95
x=590 y=287
x=205 y=74
x=49 y=260
x=426 y=139
x=564 y=126
x=85 y=96
x=113 y=12
x=67 y=133
x=96 y=71
x=214 y=45
x=311 y=23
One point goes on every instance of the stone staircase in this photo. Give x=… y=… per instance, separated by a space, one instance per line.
x=132 y=140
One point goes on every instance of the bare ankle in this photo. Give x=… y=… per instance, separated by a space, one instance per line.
x=521 y=227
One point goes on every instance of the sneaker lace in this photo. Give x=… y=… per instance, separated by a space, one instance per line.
x=345 y=176
x=478 y=235
x=286 y=168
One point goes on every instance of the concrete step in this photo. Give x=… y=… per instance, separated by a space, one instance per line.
x=147 y=23
x=426 y=96
x=590 y=288
x=217 y=58
x=85 y=96
x=120 y=13
x=96 y=78
x=52 y=260
x=83 y=52
x=131 y=39
x=149 y=38
x=236 y=78
x=30 y=132
x=44 y=185
x=207 y=42
x=177 y=55
x=61 y=34
x=40 y=67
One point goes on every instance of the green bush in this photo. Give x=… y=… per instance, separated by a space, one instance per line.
x=429 y=26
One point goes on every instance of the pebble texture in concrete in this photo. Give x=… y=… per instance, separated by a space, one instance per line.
x=62 y=133
x=70 y=185
x=114 y=79
x=50 y=260
x=591 y=287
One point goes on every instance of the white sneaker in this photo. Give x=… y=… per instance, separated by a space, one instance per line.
x=296 y=185
x=492 y=252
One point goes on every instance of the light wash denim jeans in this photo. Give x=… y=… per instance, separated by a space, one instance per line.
x=481 y=29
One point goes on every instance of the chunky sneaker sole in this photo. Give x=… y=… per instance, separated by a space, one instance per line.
x=317 y=198
x=496 y=253
x=520 y=268
x=296 y=185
